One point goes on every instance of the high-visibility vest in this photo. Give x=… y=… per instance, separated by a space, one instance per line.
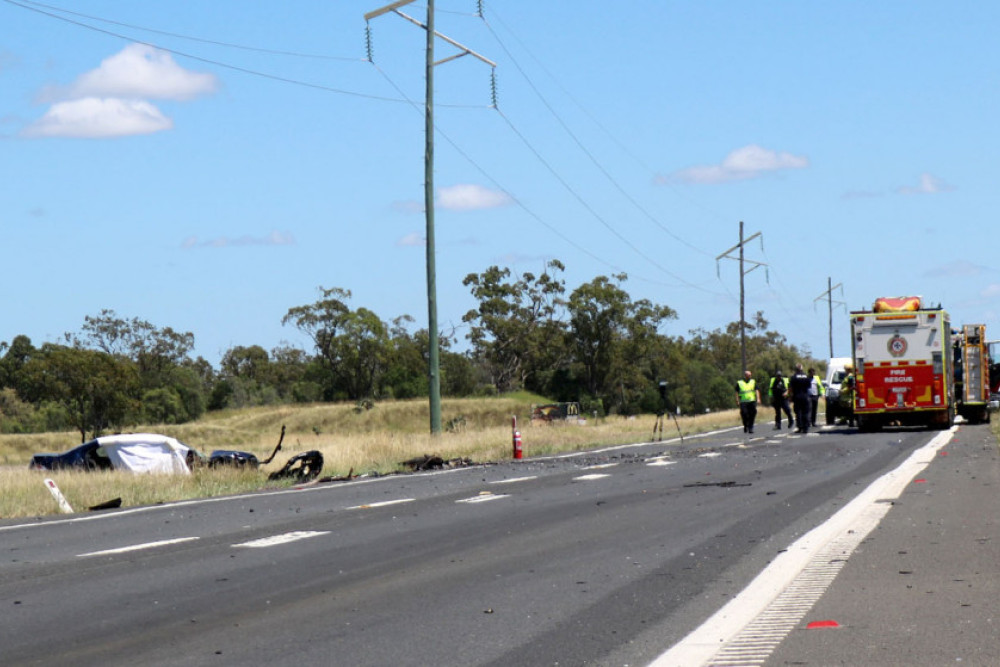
x=748 y=390
x=819 y=385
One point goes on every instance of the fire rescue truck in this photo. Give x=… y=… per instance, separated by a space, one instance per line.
x=972 y=372
x=903 y=363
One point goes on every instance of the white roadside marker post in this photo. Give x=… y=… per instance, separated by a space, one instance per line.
x=64 y=506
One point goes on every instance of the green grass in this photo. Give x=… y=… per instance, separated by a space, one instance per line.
x=369 y=441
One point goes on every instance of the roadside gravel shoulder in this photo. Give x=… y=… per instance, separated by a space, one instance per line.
x=924 y=587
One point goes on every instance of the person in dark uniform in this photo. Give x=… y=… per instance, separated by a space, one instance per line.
x=799 y=385
x=777 y=391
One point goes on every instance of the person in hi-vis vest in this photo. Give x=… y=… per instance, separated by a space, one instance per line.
x=748 y=396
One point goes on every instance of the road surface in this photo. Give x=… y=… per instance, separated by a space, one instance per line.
x=609 y=557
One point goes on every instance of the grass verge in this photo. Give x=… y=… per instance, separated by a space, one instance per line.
x=366 y=441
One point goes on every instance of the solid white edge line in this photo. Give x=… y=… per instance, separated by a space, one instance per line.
x=137 y=547
x=711 y=636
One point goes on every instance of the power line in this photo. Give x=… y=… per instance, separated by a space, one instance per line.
x=614 y=139
x=590 y=209
x=209 y=61
x=584 y=149
x=520 y=204
x=29 y=4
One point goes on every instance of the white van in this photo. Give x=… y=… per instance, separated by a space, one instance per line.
x=835 y=374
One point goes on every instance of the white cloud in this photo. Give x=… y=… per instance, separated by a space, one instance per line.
x=274 y=238
x=413 y=239
x=111 y=101
x=92 y=118
x=990 y=291
x=408 y=206
x=929 y=185
x=960 y=268
x=742 y=164
x=137 y=72
x=470 y=198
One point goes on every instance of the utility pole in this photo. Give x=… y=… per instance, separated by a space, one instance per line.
x=433 y=355
x=829 y=305
x=756 y=265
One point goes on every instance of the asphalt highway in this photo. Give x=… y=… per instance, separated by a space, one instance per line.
x=609 y=557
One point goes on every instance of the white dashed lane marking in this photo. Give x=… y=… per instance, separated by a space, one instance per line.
x=659 y=461
x=484 y=497
x=137 y=547
x=284 y=538
x=588 y=478
x=384 y=503
x=515 y=479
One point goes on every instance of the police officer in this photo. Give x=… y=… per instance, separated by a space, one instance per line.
x=777 y=391
x=799 y=384
x=748 y=396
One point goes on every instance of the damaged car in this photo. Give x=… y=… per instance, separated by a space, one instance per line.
x=155 y=453
x=135 y=452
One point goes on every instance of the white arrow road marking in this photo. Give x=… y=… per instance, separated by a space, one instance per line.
x=285 y=538
x=137 y=547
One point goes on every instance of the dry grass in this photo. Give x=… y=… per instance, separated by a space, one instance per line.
x=376 y=440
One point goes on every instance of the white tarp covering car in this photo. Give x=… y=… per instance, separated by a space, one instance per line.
x=135 y=452
x=145 y=452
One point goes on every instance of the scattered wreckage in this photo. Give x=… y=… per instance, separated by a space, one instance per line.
x=155 y=453
x=162 y=454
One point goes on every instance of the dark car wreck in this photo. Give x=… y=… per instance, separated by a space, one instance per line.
x=135 y=452
x=138 y=453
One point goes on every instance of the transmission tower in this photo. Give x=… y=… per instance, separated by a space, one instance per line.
x=828 y=294
x=743 y=272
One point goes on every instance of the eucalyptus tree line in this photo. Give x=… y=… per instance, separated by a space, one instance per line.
x=593 y=344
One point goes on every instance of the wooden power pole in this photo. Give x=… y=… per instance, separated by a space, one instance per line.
x=433 y=355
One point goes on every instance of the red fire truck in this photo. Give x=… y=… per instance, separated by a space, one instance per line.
x=903 y=364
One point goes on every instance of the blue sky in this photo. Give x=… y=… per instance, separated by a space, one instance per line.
x=208 y=165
